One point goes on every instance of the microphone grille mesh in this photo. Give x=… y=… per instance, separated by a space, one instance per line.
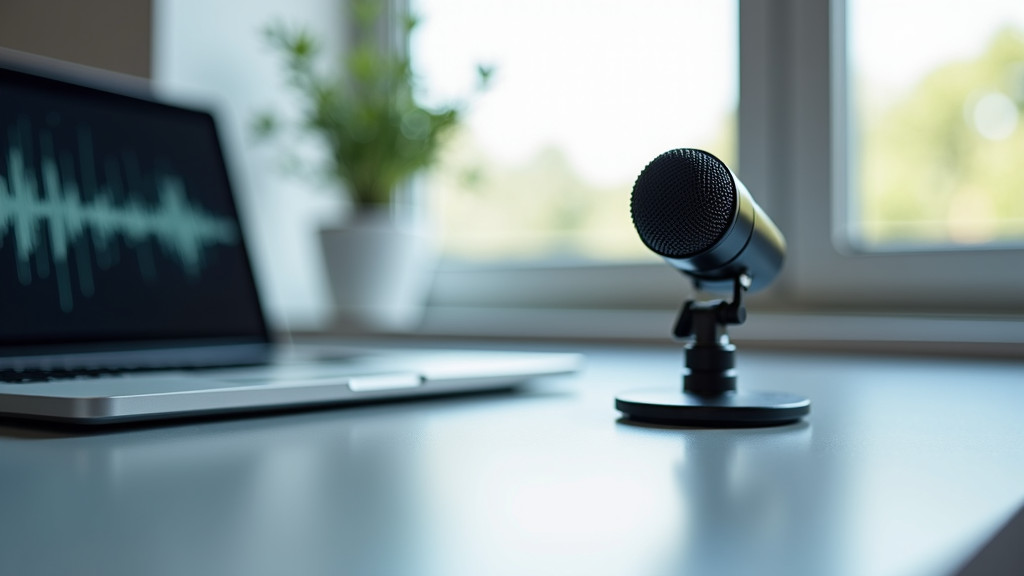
x=683 y=203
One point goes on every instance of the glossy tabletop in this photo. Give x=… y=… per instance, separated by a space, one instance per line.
x=905 y=467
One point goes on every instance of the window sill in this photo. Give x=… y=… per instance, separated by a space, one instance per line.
x=961 y=335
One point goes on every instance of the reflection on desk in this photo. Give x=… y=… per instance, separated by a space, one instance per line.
x=905 y=466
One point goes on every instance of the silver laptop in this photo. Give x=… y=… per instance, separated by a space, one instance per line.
x=126 y=291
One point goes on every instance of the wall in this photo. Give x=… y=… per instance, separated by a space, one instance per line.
x=110 y=34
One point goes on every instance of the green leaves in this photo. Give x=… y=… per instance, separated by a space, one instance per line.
x=484 y=73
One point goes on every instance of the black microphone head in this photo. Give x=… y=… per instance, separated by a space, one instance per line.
x=690 y=209
x=683 y=203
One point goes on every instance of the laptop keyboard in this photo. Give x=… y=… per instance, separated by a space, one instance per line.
x=29 y=375
x=12 y=376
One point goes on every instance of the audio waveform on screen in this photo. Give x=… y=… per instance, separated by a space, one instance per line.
x=52 y=223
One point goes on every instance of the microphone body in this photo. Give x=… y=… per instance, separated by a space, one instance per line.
x=689 y=208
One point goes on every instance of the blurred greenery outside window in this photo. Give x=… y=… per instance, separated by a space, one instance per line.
x=583 y=95
x=937 y=148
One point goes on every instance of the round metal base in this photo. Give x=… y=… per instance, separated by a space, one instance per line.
x=728 y=410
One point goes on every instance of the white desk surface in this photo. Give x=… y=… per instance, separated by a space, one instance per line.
x=905 y=467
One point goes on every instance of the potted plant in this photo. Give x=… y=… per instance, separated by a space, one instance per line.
x=376 y=135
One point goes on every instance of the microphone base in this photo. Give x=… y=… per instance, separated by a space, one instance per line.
x=731 y=409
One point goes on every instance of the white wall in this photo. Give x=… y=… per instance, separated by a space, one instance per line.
x=215 y=50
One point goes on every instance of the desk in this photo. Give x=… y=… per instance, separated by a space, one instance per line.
x=905 y=467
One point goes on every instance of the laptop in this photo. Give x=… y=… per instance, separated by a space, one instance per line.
x=126 y=290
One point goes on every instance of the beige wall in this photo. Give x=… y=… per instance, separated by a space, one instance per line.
x=110 y=34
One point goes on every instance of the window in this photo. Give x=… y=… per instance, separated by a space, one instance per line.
x=936 y=140
x=797 y=144
x=802 y=157
x=583 y=95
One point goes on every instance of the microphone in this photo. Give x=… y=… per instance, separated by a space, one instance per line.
x=690 y=209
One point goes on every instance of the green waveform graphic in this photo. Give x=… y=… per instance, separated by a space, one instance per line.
x=182 y=230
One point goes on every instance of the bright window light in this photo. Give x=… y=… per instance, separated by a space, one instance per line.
x=938 y=137
x=584 y=94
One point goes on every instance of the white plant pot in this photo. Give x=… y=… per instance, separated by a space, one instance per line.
x=380 y=272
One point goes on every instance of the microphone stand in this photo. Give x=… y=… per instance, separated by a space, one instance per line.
x=709 y=397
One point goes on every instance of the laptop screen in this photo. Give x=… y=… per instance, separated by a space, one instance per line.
x=117 y=222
